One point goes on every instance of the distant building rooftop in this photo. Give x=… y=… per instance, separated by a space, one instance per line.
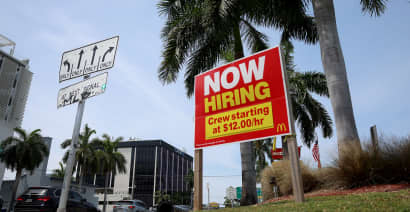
x=4 y=41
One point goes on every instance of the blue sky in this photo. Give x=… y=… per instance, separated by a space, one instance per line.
x=136 y=104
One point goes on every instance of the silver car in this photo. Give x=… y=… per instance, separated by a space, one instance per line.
x=130 y=206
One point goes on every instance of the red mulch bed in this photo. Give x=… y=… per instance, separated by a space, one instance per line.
x=365 y=189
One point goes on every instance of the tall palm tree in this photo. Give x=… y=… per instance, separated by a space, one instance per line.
x=332 y=57
x=199 y=32
x=22 y=152
x=335 y=68
x=85 y=154
x=111 y=161
x=59 y=173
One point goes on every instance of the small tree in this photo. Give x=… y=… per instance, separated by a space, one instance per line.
x=24 y=151
x=85 y=155
x=111 y=161
x=59 y=173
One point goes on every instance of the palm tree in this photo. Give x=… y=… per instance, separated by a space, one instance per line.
x=332 y=57
x=111 y=161
x=307 y=111
x=335 y=68
x=85 y=154
x=23 y=152
x=199 y=32
x=59 y=173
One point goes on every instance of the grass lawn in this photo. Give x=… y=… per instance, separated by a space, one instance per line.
x=376 y=201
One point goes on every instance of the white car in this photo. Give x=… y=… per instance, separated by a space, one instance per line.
x=130 y=206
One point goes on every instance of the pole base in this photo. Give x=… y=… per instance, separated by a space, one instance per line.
x=61 y=210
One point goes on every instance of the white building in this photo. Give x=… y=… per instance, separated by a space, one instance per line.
x=15 y=81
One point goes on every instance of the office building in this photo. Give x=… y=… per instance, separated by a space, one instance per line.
x=152 y=165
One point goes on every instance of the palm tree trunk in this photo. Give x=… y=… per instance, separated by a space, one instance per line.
x=14 y=192
x=249 y=196
x=335 y=71
x=107 y=180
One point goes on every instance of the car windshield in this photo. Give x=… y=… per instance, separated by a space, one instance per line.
x=124 y=203
x=36 y=191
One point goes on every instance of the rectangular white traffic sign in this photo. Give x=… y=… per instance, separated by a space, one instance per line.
x=82 y=90
x=88 y=59
x=230 y=193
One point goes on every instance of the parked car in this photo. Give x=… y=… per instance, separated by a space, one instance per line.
x=47 y=198
x=182 y=208
x=130 y=206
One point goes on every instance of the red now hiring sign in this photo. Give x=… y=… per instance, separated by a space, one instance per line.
x=242 y=101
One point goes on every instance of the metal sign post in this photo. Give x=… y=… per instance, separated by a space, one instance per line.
x=297 y=183
x=62 y=205
x=198 y=180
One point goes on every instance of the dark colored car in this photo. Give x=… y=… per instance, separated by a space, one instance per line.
x=47 y=198
x=130 y=206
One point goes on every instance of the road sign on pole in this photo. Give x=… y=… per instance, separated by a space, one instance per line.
x=82 y=90
x=230 y=193
x=88 y=59
x=75 y=63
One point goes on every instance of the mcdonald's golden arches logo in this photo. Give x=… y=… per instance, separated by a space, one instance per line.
x=281 y=127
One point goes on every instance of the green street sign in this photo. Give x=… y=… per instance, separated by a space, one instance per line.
x=239 y=192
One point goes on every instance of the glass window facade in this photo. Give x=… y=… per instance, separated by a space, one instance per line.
x=172 y=166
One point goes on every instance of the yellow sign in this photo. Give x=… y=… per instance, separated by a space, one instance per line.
x=246 y=119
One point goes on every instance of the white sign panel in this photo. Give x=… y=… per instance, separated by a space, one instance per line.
x=231 y=192
x=88 y=59
x=82 y=90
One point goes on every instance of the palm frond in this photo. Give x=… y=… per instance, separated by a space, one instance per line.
x=320 y=115
x=65 y=143
x=206 y=56
x=288 y=16
x=315 y=82
x=304 y=122
x=21 y=133
x=256 y=40
x=179 y=35
x=373 y=7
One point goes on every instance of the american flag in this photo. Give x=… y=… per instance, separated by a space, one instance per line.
x=316 y=155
